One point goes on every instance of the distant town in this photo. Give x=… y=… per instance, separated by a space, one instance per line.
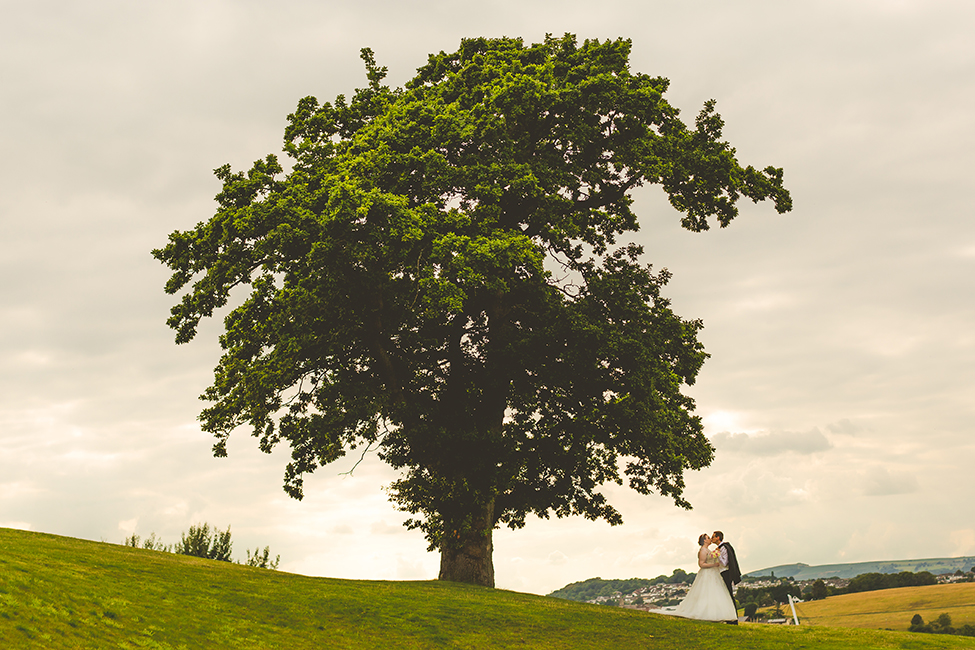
x=667 y=595
x=770 y=589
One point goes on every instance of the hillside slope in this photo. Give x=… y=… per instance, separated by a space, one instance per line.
x=59 y=592
x=892 y=608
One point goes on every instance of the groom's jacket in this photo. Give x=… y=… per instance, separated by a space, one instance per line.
x=732 y=572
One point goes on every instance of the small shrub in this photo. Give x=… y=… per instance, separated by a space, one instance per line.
x=200 y=541
x=262 y=559
x=207 y=542
x=154 y=543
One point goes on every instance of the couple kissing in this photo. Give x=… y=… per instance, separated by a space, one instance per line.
x=712 y=596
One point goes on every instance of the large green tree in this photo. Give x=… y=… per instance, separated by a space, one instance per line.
x=438 y=278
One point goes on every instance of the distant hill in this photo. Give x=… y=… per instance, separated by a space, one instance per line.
x=805 y=572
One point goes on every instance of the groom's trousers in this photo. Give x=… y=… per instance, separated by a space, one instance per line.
x=726 y=576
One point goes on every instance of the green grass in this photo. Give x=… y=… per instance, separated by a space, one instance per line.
x=892 y=608
x=59 y=592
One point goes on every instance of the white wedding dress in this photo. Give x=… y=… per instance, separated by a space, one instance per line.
x=708 y=598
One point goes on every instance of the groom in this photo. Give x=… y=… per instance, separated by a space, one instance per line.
x=729 y=566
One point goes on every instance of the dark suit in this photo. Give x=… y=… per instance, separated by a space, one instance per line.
x=731 y=575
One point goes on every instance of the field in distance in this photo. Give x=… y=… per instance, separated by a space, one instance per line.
x=60 y=592
x=892 y=608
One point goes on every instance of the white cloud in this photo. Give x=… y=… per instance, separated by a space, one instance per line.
x=128 y=526
x=963 y=541
x=385 y=528
x=772 y=443
x=880 y=481
x=411 y=570
x=557 y=558
x=844 y=427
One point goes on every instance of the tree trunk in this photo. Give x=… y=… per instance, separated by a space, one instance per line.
x=471 y=560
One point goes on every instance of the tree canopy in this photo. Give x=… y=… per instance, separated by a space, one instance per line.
x=438 y=278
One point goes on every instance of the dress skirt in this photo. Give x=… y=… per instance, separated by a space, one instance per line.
x=708 y=599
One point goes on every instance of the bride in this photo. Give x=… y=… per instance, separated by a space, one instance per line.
x=708 y=599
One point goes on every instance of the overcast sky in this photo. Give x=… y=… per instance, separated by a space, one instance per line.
x=840 y=390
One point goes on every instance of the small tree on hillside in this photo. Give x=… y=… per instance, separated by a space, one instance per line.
x=943 y=623
x=750 y=610
x=918 y=625
x=818 y=591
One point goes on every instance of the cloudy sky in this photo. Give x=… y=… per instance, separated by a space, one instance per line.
x=840 y=390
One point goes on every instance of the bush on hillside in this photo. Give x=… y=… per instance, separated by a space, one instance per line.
x=262 y=559
x=941 y=625
x=204 y=541
x=200 y=541
x=151 y=543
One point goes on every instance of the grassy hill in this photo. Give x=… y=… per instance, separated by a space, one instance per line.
x=892 y=608
x=59 y=592
x=851 y=570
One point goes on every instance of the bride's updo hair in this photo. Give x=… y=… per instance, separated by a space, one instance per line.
x=702 y=539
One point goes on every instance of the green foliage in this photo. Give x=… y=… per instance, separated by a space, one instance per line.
x=767 y=596
x=201 y=541
x=941 y=625
x=875 y=581
x=819 y=591
x=593 y=588
x=750 y=609
x=262 y=559
x=438 y=278
x=151 y=543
